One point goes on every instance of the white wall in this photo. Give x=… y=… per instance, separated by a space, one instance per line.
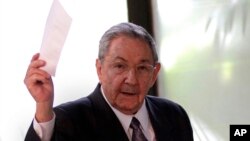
x=205 y=54
x=21 y=31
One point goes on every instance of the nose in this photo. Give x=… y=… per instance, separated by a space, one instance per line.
x=131 y=77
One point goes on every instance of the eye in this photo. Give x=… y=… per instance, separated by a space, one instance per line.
x=119 y=67
x=144 y=68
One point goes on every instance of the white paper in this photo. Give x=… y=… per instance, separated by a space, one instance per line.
x=55 y=33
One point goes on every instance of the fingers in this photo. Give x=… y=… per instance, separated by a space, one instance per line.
x=36 y=64
x=38 y=81
x=34 y=73
x=37 y=75
x=35 y=57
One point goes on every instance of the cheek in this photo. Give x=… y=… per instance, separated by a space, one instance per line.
x=145 y=87
x=106 y=76
x=112 y=79
x=146 y=84
x=111 y=83
x=150 y=82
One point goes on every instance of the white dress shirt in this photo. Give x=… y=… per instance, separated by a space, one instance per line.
x=45 y=129
x=141 y=115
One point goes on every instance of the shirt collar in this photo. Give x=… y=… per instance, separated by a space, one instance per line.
x=141 y=115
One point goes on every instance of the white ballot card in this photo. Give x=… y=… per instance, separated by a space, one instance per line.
x=55 y=33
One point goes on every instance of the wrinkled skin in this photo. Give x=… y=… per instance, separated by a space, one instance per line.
x=126 y=91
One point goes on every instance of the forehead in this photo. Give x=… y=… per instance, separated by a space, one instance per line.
x=130 y=49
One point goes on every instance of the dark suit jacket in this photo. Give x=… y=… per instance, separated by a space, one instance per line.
x=91 y=119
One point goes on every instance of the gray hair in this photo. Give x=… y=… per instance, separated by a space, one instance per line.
x=127 y=29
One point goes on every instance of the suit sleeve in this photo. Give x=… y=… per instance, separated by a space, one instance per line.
x=31 y=134
x=185 y=126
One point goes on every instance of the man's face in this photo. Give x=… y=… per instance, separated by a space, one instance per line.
x=127 y=73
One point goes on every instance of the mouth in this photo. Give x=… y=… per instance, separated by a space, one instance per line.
x=128 y=93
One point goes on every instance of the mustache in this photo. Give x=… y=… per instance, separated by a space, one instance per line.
x=129 y=89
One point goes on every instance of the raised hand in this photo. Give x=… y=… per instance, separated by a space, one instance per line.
x=40 y=85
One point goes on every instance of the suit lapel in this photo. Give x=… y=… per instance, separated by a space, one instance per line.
x=162 y=127
x=108 y=126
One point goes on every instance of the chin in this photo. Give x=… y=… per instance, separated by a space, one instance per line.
x=129 y=109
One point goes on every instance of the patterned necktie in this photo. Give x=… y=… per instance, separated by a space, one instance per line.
x=137 y=132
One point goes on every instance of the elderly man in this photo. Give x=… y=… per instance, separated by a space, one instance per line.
x=119 y=109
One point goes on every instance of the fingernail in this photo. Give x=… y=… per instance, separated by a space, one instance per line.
x=42 y=62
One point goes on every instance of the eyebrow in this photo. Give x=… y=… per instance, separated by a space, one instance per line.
x=119 y=58
x=122 y=59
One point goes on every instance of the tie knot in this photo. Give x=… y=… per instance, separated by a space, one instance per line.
x=137 y=132
x=135 y=124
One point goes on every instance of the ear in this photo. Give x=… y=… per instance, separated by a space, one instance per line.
x=155 y=73
x=98 y=66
